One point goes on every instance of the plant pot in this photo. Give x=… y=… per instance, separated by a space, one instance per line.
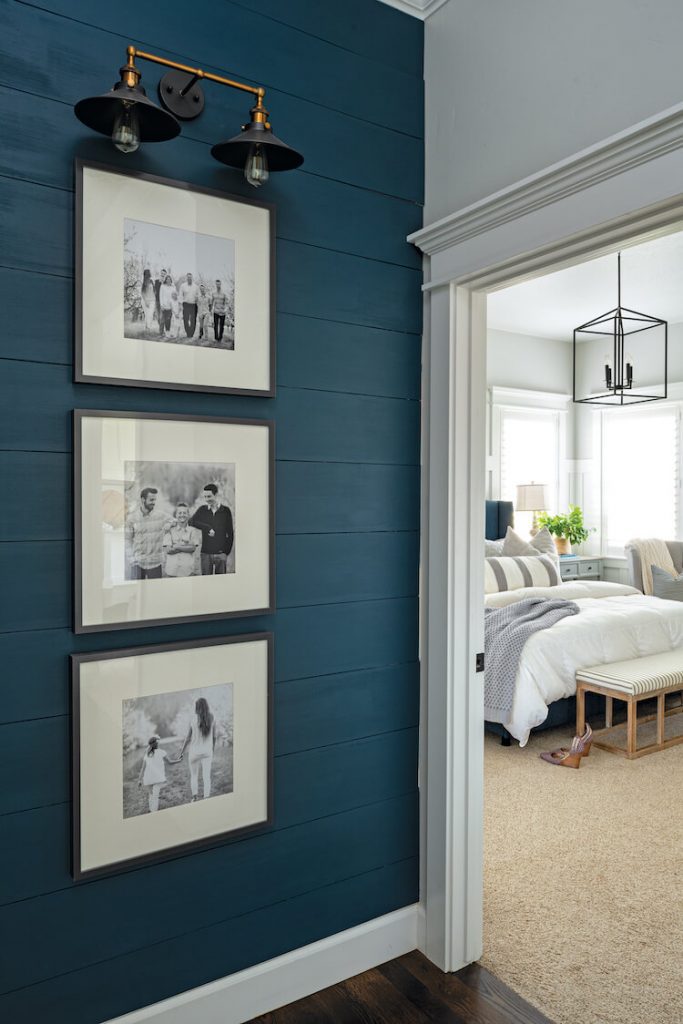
x=563 y=546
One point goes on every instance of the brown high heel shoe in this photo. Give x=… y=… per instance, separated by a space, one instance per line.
x=585 y=743
x=566 y=758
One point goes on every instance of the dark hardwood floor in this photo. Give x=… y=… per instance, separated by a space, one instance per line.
x=411 y=990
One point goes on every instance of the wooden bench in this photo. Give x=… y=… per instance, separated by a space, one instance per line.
x=632 y=681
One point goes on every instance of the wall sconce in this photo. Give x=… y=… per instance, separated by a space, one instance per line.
x=129 y=117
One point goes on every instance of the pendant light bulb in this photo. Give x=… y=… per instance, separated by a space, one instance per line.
x=256 y=168
x=126 y=132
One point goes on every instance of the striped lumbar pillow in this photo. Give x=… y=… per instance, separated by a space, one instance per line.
x=512 y=573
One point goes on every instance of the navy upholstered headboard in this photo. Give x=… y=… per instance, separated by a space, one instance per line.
x=499 y=515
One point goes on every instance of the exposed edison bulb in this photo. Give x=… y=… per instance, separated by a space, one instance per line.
x=256 y=168
x=126 y=131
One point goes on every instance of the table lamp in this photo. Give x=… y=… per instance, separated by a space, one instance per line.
x=532 y=498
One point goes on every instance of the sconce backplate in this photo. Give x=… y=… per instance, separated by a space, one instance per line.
x=186 y=107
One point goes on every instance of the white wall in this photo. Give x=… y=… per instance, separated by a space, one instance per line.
x=520 y=361
x=512 y=86
x=543 y=364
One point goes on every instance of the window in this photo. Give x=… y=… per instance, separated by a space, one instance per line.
x=640 y=475
x=529 y=453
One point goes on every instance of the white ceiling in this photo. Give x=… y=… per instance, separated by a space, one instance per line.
x=552 y=306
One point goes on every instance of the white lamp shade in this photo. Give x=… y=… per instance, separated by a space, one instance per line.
x=531 y=497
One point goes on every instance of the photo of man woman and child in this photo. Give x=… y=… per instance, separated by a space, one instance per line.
x=177 y=748
x=178 y=286
x=179 y=520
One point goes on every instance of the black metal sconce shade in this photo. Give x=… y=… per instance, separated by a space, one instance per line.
x=129 y=117
x=626 y=379
x=235 y=151
x=100 y=113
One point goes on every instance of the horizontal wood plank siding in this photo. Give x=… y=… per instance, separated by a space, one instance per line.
x=151 y=973
x=344 y=85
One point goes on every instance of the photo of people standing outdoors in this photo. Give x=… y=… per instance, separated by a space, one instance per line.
x=179 y=520
x=177 y=748
x=178 y=286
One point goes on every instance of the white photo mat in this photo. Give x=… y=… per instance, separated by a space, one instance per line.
x=103 y=837
x=108 y=199
x=104 y=443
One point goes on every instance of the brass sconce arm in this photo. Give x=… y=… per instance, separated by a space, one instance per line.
x=196 y=72
x=174 y=91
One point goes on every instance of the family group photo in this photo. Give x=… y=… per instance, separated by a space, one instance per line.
x=177 y=748
x=178 y=286
x=179 y=519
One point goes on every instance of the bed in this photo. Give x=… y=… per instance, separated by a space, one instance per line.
x=615 y=623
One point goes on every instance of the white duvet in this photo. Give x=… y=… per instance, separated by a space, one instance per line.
x=622 y=625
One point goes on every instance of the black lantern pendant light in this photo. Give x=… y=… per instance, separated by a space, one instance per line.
x=634 y=367
x=129 y=117
x=126 y=114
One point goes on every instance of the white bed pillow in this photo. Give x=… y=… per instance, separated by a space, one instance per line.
x=503 y=573
x=493 y=548
x=541 y=544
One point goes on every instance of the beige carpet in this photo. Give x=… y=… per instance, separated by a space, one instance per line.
x=583 y=891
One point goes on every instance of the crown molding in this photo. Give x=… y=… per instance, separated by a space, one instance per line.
x=637 y=145
x=417 y=8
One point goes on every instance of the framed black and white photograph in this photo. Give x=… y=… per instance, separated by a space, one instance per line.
x=172 y=749
x=174 y=284
x=173 y=518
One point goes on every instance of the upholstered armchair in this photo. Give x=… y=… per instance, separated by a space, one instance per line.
x=634 y=567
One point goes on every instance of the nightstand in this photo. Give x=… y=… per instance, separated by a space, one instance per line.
x=580 y=568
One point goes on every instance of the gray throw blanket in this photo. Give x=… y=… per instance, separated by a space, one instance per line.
x=506 y=630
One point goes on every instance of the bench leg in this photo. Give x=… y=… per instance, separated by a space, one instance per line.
x=631 y=727
x=609 y=708
x=660 y=719
x=580 y=710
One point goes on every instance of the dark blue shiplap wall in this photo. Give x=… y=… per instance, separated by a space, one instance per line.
x=344 y=81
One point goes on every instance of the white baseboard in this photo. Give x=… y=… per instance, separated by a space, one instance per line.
x=265 y=987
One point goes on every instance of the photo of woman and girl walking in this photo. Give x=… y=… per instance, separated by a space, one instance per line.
x=178 y=286
x=177 y=748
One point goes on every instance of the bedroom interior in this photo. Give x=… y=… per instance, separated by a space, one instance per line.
x=606 y=642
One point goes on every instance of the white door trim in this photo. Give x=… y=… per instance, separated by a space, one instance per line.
x=641 y=143
x=464 y=262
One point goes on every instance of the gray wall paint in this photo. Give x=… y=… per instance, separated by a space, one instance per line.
x=514 y=87
x=533 y=364
x=520 y=361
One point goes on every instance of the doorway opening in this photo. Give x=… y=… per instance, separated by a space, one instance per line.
x=577 y=887
x=452 y=567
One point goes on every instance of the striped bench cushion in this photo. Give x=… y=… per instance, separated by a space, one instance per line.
x=515 y=572
x=641 y=675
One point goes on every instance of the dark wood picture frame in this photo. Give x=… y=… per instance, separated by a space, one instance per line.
x=80 y=377
x=182 y=849
x=78 y=416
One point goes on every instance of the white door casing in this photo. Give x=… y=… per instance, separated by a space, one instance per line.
x=613 y=194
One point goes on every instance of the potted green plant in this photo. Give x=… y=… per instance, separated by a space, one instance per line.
x=567 y=528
